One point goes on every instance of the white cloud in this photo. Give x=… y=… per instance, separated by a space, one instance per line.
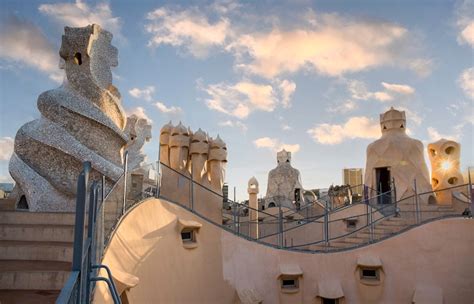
x=188 y=29
x=466 y=82
x=6 y=148
x=233 y=124
x=434 y=135
x=465 y=22
x=467 y=34
x=399 y=88
x=274 y=144
x=80 y=14
x=345 y=107
x=145 y=93
x=421 y=66
x=328 y=43
x=23 y=42
x=168 y=110
x=287 y=89
x=354 y=127
x=6 y=179
x=286 y=127
x=331 y=46
x=139 y=112
x=244 y=97
x=359 y=91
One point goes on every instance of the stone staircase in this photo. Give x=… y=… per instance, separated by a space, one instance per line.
x=35 y=255
x=389 y=226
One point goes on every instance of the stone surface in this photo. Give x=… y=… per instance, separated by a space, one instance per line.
x=138 y=131
x=401 y=154
x=444 y=156
x=282 y=182
x=193 y=169
x=82 y=120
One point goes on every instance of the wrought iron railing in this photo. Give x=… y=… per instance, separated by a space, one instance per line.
x=277 y=227
x=88 y=244
x=289 y=229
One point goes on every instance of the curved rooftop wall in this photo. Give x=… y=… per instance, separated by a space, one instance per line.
x=430 y=260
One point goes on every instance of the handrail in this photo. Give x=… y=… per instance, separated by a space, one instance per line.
x=81 y=282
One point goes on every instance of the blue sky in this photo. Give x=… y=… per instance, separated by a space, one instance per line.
x=311 y=76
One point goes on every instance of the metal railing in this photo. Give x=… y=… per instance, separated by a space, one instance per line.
x=320 y=232
x=289 y=229
x=88 y=247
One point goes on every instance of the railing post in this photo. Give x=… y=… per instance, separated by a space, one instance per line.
x=102 y=219
x=280 y=227
x=157 y=178
x=191 y=190
x=417 y=215
x=79 y=227
x=238 y=220
x=326 y=226
x=234 y=216
x=471 y=190
x=125 y=165
x=395 y=195
x=371 y=226
x=91 y=237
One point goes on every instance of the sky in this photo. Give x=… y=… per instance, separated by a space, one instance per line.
x=311 y=76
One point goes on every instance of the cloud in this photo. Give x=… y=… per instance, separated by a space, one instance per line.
x=140 y=113
x=6 y=148
x=466 y=82
x=287 y=89
x=23 y=42
x=354 y=127
x=81 y=14
x=331 y=46
x=6 y=179
x=146 y=93
x=328 y=44
x=244 y=97
x=421 y=66
x=398 y=88
x=434 y=135
x=359 y=91
x=286 y=127
x=168 y=110
x=465 y=22
x=233 y=124
x=274 y=145
x=188 y=29
x=345 y=107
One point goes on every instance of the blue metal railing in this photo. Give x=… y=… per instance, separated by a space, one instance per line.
x=85 y=264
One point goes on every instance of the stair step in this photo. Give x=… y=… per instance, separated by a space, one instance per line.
x=34 y=250
x=35 y=232
x=47 y=218
x=357 y=240
x=28 y=296
x=33 y=275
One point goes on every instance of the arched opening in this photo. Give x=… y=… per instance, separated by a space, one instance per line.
x=78 y=58
x=272 y=204
x=452 y=180
x=433 y=152
x=22 y=203
x=449 y=150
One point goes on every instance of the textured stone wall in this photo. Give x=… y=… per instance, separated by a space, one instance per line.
x=82 y=120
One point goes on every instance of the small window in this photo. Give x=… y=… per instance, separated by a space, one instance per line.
x=188 y=235
x=289 y=283
x=369 y=274
x=433 y=152
x=351 y=224
x=329 y=301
